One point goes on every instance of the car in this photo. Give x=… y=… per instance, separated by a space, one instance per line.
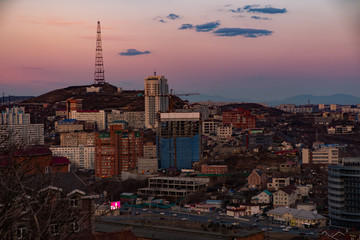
x=210 y=220
x=235 y=223
x=174 y=215
x=137 y=213
x=285 y=229
x=311 y=233
x=269 y=229
x=295 y=228
x=149 y=212
x=283 y=226
x=254 y=225
x=144 y=209
x=184 y=219
x=302 y=233
x=263 y=229
x=257 y=220
x=162 y=213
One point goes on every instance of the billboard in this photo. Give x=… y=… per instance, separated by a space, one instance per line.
x=115 y=205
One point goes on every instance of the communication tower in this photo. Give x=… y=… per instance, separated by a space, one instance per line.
x=99 y=76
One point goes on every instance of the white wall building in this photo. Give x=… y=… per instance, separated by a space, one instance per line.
x=224 y=132
x=14 y=116
x=81 y=157
x=156 y=98
x=29 y=134
x=96 y=116
x=209 y=127
x=324 y=155
x=135 y=120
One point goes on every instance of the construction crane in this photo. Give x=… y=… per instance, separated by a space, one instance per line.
x=171 y=98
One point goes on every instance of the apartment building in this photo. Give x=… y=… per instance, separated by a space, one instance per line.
x=323 y=155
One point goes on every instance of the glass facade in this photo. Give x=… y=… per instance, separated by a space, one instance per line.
x=344 y=194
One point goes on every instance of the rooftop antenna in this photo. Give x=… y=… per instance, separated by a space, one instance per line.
x=154 y=72
x=99 y=77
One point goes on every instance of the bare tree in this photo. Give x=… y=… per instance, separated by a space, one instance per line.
x=38 y=205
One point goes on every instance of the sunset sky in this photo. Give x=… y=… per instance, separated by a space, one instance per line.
x=263 y=50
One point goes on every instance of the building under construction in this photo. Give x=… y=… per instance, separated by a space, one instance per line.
x=179 y=140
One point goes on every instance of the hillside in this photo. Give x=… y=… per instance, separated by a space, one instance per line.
x=109 y=98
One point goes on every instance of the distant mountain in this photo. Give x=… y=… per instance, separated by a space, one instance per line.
x=214 y=98
x=342 y=99
x=4 y=100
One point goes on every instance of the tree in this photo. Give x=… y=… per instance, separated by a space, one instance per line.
x=39 y=205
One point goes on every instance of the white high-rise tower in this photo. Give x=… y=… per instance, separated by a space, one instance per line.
x=156 y=98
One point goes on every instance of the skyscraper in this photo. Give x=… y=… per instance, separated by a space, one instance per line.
x=344 y=194
x=156 y=98
x=179 y=140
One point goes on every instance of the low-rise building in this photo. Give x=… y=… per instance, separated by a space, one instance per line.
x=278 y=182
x=297 y=218
x=323 y=155
x=81 y=156
x=214 y=169
x=263 y=197
x=285 y=197
x=68 y=125
x=173 y=186
x=257 y=179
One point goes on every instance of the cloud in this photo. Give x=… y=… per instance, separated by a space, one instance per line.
x=133 y=52
x=173 y=16
x=238 y=10
x=269 y=10
x=245 y=32
x=162 y=21
x=260 y=18
x=186 y=26
x=247 y=7
x=207 y=27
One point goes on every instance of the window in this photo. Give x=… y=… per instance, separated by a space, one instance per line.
x=21 y=232
x=54 y=229
x=74 y=202
x=75 y=227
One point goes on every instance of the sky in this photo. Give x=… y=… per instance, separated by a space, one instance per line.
x=260 y=50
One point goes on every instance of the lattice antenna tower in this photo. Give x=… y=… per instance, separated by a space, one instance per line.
x=99 y=76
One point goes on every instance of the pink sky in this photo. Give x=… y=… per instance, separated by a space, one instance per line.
x=313 y=47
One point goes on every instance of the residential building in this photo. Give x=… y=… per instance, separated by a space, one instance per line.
x=344 y=194
x=214 y=169
x=340 y=129
x=93 y=116
x=263 y=197
x=297 y=218
x=209 y=127
x=323 y=155
x=256 y=138
x=80 y=156
x=150 y=150
x=224 y=132
x=173 y=186
x=285 y=197
x=73 y=105
x=257 y=179
x=68 y=125
x=14 y=116
x=36 y=160
x=135 y=120
x=77 y=139
x=146 y=164
x=278 y=182
x=117 y=151
x=156 y=99
x=289 y=167
x=25 y=135
x=239 y=119
x=179 y=140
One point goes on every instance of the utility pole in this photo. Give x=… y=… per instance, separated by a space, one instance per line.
x=99 y=76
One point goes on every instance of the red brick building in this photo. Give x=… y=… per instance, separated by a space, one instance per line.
x=214 y=169
x=239 y=118
x=36 y=160
x=117 y=151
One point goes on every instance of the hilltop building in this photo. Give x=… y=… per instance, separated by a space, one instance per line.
x=323 y=155
x=156 y=98
x=179 y=140
x=14 y=116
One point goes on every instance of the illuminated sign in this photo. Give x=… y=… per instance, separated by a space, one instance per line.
x=115 y=205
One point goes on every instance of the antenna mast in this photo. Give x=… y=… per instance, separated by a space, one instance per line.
x=99 y=76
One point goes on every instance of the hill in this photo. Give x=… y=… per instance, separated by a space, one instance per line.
x=107 y=99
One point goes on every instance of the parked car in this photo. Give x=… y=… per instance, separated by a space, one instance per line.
x=184 y=219
x=285 y=229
